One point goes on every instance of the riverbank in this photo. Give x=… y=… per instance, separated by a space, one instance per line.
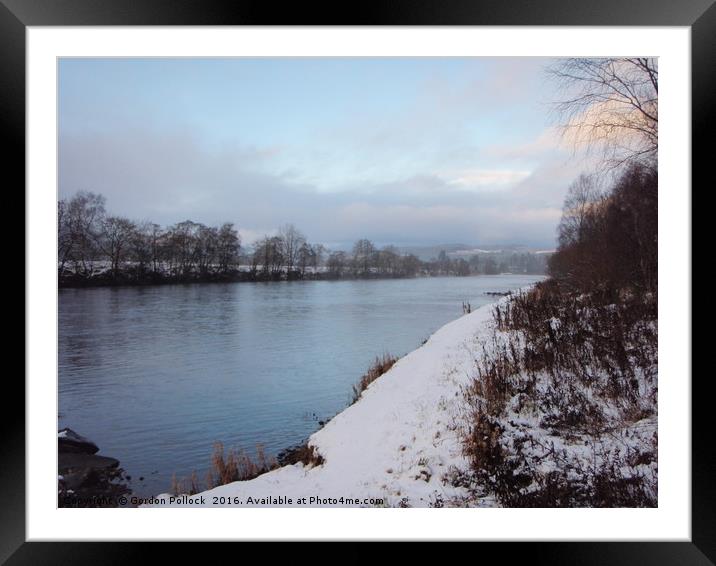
x=544 y=398
x=131 y=278
x=85 y=478
x=399 y=445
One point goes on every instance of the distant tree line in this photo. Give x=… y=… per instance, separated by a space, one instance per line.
x=491 y=263
x=97 y=248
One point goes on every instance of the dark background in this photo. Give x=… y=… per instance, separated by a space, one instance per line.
x=15 y=15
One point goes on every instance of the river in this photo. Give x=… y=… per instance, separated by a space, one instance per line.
x=156 y=375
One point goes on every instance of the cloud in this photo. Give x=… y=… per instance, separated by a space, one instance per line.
x=451 y=122
x=250 y=236
x=166 y=175
x=548 y=142
x=169 y=176
x=408 y=223
x=486 y=179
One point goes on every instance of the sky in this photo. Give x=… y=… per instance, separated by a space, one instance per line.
x=406 y=151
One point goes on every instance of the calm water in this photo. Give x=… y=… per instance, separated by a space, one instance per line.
x=155 y=375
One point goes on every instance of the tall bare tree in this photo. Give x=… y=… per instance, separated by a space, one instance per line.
x=610 y=105
x=364 y=253
x=268 y=253
x=141 y=245
x=292 y=240
x=79 y=227
x=306 y=257
x=336 y=263
x=115 y=240
x=319 y=251
x=229 y=244
x=207 y=243
x=582 y=196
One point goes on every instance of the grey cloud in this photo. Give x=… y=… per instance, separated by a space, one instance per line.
x=168 y=177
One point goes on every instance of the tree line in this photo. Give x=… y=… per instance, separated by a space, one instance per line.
x=608 y=239
x=94 y=245
x=98 y=248
x=608 y=232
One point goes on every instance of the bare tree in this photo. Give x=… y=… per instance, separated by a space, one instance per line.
x=141 y=245
x=610 y=105
x=64 y=234
x=115 y=240
x=306 y=257
x=291 y=240
x=388 y=260
x=319 y=252
x=229 y=244
x=411 y=265
x=582 y=196
x=364 y=253
x=79 y=227
x=155 y=238
x=182 y=245
x=336 y=263
x=207 y=243
x=268 y=253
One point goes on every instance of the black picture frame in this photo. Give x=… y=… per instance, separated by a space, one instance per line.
x=16 y=15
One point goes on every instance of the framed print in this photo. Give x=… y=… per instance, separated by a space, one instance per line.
x=292 y=276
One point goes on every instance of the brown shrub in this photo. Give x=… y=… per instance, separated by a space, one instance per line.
x=562 y=376
x=226 y=468
x=381 y=365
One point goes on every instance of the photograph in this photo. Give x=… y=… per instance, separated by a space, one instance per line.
x=390 y=276
x=357 y=281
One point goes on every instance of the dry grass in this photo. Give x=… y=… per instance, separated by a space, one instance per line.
x=380 y=366
x=556 y=401
x=226 y=468
x=238 y=466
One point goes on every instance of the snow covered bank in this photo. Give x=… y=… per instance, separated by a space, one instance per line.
x=393 y=447
x=563 y=407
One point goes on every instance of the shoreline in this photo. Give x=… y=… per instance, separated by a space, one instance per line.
x=396 y=446
x=245 y=277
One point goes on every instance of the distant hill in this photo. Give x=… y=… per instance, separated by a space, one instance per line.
x=426 y=253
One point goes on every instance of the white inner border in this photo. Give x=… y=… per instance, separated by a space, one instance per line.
x=670 y=521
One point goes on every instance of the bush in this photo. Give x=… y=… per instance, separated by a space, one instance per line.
x=563 y=403
x=234 y=466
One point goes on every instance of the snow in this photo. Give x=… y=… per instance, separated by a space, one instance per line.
x=396 y=444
